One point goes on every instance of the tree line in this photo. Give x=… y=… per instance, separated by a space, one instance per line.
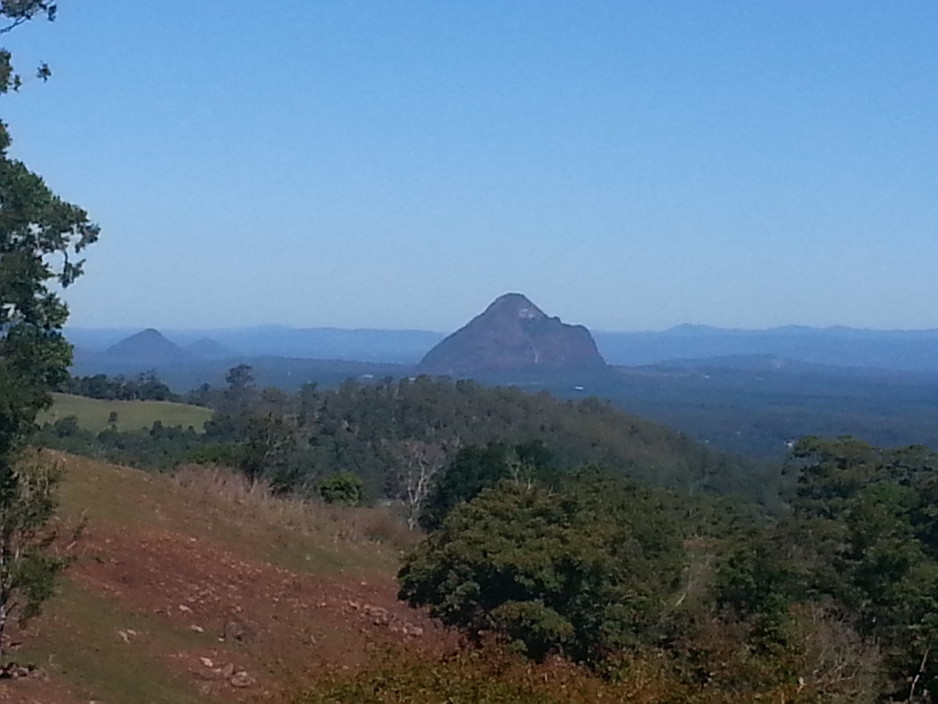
x=395 y=434
x=143 y=387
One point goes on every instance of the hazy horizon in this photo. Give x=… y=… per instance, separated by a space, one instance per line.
x=628 y=166
x=132 y=328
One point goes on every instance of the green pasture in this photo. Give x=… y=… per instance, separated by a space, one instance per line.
x=94 y=414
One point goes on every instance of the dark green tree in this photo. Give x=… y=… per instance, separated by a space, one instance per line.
x=858 y=539
x=586 y=570
x=40 y=239
x=342 y=488
x=474 y=468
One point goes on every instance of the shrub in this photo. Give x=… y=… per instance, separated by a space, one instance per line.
x=342 y=488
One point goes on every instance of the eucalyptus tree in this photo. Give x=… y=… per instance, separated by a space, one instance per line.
x=41 y=240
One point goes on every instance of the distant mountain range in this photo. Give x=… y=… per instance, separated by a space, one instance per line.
x=393 y=346
x=903 y=350
x=750 y=391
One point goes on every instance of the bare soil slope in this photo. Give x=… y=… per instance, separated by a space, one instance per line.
x=198 y=589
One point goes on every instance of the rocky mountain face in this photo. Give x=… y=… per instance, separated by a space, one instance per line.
x=513 y=334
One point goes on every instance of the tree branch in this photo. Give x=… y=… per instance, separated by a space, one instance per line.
x=13 y=25
x=918 y=675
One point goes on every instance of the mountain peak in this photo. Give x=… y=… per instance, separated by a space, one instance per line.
x=513 y=334
x=147 y=348
x=516 y=305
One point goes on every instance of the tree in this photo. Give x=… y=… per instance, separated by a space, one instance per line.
x=28 y=565
x=859 y=537
x=266 y=448
x=585 y=570
x=40 y=239
x=342 y=488
x=417 y=463
x=13 y=13
x=474 y=468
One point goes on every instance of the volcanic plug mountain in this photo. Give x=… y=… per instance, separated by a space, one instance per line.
x=513 y=334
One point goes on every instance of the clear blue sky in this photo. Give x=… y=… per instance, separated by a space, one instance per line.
x=627 y=165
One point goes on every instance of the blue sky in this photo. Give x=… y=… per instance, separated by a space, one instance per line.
x=627 y=165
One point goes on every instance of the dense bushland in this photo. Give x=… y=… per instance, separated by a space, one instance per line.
x=835 y=600
x=396 y=434
x=587 y=555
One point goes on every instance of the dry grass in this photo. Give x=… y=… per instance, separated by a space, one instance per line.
x=298 y=576
x=257 y=503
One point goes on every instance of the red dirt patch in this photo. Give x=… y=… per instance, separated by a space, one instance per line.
x=217 y=622
x=253 y=616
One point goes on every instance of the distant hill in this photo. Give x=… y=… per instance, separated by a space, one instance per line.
x=148 y=348
x=754 y=362
x=205 y=348
x=901 y=350
x=513 y=334
x=350 y=345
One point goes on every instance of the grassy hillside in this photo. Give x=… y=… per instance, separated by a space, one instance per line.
x=93 y=414
x=199 y=588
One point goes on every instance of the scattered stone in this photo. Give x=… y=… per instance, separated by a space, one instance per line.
x=196 y=629
x=241 y=679
x=12 y=671
x=185 y=609
x=207 y=662
x=379 y=616
x=415 y=631
x=236 y=629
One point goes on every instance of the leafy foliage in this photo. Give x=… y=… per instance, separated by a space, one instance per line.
x=40 y=236
x=860 y=536
x=585 y=570
x=27 y=565
x=35 y=226
x=490 y=675
x=342 y=488
x=161 y=447
x=143 y=387
x=362 y=428
x=13 y=13
x=475 y=468
x=832 y=602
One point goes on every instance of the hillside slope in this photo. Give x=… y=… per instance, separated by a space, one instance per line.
x=197 y=589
